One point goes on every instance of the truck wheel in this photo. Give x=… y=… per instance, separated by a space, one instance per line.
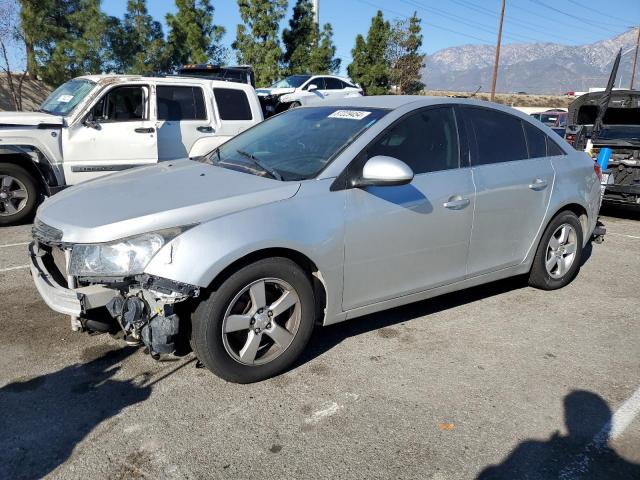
x=557 y=259
x=19 y=194
x=256 y=323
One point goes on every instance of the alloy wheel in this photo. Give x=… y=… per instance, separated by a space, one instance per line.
x=13 y=195
x=261 y=321
x=561 y=251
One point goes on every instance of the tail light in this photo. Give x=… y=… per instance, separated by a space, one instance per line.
x=598 y=171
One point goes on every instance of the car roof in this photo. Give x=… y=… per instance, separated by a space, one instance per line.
x=106 y=79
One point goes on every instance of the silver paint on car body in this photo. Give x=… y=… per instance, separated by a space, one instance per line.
x=374 y=247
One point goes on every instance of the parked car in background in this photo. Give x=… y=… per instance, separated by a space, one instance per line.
x=324 y=213
x=619 y=131
x=239 y=73
x=99 y=124
x=297 y=90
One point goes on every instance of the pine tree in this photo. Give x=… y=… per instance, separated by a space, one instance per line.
x=67 y=36
x=370 y=65
x=136 y=44
x=257 y=41
x=193 y=38
x=323 y=59
x=403 y=54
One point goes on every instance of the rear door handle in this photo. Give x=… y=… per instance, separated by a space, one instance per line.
x=456 y=202
x=538 y=184
x=205 y=129
x=144 y=130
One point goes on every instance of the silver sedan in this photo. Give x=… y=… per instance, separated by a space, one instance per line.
x=317 y=215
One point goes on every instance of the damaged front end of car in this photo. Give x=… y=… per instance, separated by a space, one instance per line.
x=103 y=287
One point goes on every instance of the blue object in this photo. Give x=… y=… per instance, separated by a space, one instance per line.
x=603 y=158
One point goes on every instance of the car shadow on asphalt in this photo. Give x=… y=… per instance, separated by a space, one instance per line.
x=583 y=453
x=45 y=417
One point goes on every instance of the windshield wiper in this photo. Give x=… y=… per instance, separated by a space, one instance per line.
x=273 y=173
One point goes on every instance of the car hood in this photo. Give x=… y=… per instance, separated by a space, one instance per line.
x=28 y=119
x=145 y=199
x=274 y=91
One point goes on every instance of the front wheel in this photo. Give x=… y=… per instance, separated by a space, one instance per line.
x=557 y=259
x=19 y=194
x=256 y=323
x=293 y=105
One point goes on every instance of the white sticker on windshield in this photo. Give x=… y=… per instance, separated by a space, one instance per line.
x=65 y=98
x=350 y=114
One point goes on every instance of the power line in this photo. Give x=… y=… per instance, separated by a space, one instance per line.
x=599 y=12
x=432 y=25
x=575 y=17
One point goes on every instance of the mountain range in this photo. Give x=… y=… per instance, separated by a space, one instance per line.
x=544 y=68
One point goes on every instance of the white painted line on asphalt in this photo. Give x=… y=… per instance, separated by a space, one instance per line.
x=622 y=235
x=19 y=267
x=615 y=427
x=14 y=244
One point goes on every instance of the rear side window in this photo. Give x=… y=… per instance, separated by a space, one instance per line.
x=553 y=149
x=499 y=136
x=180 y=103
x=333 y=84
x=232 y=104
x=427 y=141
x=536 y=141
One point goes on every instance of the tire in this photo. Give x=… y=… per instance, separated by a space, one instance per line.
x=14 y=181
x=229 y=355
x=556 y=262
x=293 y=105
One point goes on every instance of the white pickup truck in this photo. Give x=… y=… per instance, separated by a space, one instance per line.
x=98 y=124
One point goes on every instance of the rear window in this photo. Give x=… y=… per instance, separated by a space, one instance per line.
x=180 y=103
x=232 y=104
x=499 y=136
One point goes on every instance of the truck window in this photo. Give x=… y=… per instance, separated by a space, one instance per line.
x=180 y=103
x=232 y=104
x=121 y=104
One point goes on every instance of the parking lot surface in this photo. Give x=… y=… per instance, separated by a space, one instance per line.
x=500 y=381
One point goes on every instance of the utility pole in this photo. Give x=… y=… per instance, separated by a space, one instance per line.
x=316 y=12
x=495 y=65
x=635 y=60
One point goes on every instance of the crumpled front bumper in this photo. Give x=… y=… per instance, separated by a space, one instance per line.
x=72 y=302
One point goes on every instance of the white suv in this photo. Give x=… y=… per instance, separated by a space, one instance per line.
x=98 y=124
x=298 y=90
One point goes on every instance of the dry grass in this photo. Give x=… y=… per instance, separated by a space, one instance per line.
x=513 y=100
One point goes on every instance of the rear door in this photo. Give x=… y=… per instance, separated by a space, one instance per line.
x=513 y=178
x=183 y=119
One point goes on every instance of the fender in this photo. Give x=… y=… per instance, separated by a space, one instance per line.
x=48 y=173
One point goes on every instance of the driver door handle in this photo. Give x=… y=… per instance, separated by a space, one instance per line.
x=538 y=184
x=144 y=130
x=456 y=202
x=205 y=129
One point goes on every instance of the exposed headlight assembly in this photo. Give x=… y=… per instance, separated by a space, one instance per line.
x=124 y=257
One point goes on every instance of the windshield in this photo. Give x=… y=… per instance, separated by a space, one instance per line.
x=67 y=96
x=297 y=144
x=294 y=81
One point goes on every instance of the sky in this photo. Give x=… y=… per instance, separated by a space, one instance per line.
x=446 y=23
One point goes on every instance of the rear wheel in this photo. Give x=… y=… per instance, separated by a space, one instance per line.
x=256 y=323
x=557 y=259
x=19 y=194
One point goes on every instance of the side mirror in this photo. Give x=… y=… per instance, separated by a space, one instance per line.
x=91 y=122
x=312 y=87
x=384 y=171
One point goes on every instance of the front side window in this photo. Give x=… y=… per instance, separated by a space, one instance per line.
x=427 y=141
x=232 y=104
x=121 y=104
x=297 y=144
x=65 y=98
x=318 y=82
x=499 y=136
x=180 y=103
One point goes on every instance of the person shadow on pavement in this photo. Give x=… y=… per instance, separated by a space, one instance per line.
x=583 y=454
x=42 y=419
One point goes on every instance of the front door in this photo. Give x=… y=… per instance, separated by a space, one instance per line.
x=514 y=179
x=117 y=134
x=405 y=239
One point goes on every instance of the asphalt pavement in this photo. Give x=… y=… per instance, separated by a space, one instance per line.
x=500 y=381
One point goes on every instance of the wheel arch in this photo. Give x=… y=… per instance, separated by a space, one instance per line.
x=579 y=210
x=39 y=167
x=302 y=260
x=24 y=161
